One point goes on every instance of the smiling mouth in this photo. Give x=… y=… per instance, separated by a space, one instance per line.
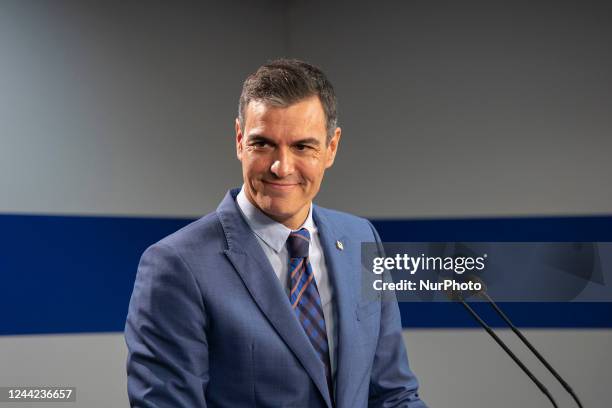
x=280 y=186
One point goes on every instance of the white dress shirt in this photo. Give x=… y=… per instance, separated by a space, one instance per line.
x=272 y=237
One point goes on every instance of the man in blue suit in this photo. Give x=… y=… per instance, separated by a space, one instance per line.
x=259 y=304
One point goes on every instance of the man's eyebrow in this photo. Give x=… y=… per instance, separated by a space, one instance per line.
x=308 y=140
x=259 y=138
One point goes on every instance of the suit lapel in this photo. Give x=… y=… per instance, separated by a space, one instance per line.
x=251 y=264
x=346 y=289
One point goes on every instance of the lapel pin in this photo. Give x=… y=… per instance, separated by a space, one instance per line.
x=339 y=245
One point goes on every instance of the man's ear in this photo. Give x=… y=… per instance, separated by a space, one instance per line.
x=332 y=147
x=238 y=139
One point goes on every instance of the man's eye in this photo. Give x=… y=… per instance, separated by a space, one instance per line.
x=260 y=144
x=301 y=147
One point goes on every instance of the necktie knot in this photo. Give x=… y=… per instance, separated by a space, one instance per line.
x=298 y=243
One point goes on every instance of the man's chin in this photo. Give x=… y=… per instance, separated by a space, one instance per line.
x=279 y=210
x=277 y=213
x=279 y=200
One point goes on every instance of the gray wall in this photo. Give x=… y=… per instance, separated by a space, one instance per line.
x=125 y=107
x=453 y=108
x=448 y=109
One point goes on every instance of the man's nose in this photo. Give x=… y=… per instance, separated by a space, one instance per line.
x=282 y=166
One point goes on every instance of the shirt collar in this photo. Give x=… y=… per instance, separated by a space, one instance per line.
x=273 y=233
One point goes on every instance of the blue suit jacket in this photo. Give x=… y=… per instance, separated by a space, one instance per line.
x=209 y=324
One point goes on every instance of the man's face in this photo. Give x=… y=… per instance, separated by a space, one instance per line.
x=284 y=155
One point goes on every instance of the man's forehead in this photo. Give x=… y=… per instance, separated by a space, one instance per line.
x=310 y=105
x=303 y=116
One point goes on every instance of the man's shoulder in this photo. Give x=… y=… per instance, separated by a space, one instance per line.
x=203 y=233
x=342 y=221
x=340 y=216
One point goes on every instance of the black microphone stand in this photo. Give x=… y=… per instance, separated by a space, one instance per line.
x=531 y=347
x=507 y=350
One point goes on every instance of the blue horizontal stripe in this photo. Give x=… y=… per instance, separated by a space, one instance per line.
x=534 y=229
x=66 y=274
x=71 y=274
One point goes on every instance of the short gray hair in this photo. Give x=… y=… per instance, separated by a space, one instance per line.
x=283 y=82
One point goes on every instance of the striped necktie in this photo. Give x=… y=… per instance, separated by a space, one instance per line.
x=305 y=299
